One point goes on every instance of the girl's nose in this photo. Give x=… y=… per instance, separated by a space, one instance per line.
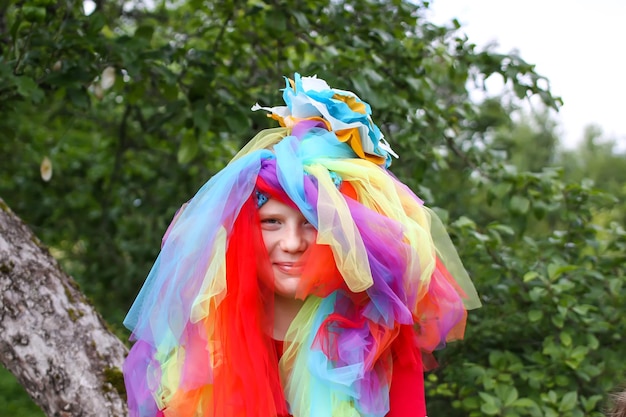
x=293 y=240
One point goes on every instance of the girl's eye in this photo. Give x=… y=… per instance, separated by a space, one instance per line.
x=270 y=224
x=308 y=226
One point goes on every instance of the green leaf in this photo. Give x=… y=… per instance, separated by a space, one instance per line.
x=568 y=402
x=566 y=339
x=558 y=321
x=529 y=276
x=582 y=310
x=496 y=359
x=537 y=293
x=593 y=342
x=535 y=315
x=414 y=83
x=360 y=84
x=34 y=14
x=490 y=404
x=549 y=412
x=504 y=229
x=28 y=88
x=590 y=403
x=524 y=402
x=556 y=270
x=489 y=409
x=188 y=148
x=579 y=353
x=97 y=21
x=552 y=396
x=487 y=398
x=615 y=285
x=301 y=18
x=464 y=222
x=501 y=189
x=373 y=75
x=470 y=403
x=384 y=36
x=562 y=380
x=519 y=204
x=509 y=395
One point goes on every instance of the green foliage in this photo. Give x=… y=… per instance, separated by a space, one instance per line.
x=136 y=108
x=598 y=159
x=13 y=399
x=546 y=249
x=136 y=111
x=551 y=329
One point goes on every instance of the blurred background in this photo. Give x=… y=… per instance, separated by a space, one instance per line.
x=113 y=114
x=573 y=43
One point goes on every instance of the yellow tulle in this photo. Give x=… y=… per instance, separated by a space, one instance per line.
x=265 y=139
x=295 y=341
x=336 y=228
x=213 y=287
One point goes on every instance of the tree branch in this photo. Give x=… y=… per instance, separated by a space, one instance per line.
x=51 y=338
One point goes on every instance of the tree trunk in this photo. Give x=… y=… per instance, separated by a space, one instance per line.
x=51 y=338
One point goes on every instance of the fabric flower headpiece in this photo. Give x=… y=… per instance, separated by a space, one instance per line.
x=310 y=100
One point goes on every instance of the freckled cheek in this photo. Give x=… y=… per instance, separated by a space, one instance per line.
x=268 y=241
x=311 y=237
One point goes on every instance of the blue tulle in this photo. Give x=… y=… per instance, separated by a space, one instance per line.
x=185 y=253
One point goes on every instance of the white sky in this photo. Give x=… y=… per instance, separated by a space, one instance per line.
x=580 y=46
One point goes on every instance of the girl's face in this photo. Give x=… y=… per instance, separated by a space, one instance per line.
x=287 y=235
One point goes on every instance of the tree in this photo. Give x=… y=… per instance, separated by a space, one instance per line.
x=51 y=338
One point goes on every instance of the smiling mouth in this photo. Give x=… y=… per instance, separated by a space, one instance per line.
x=289 y=268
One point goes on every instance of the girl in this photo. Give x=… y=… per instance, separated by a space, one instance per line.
x=303 y=279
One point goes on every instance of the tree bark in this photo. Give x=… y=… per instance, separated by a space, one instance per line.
x=51 y=338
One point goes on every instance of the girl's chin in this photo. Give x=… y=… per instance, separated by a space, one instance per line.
x=286 y=286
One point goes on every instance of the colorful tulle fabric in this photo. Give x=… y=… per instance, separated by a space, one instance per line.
x=382 y=265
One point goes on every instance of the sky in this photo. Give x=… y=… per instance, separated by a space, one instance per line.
x=580 y=46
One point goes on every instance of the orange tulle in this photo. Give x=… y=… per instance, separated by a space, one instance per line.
x=320 y=276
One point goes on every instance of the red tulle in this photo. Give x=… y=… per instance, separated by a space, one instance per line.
x=246 y=378
x=348 y=190
x=274 y=192
x=320 y=276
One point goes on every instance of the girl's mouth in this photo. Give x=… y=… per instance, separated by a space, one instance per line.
x=289 y=268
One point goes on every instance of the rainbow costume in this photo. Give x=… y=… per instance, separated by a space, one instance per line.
x=382 y=283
